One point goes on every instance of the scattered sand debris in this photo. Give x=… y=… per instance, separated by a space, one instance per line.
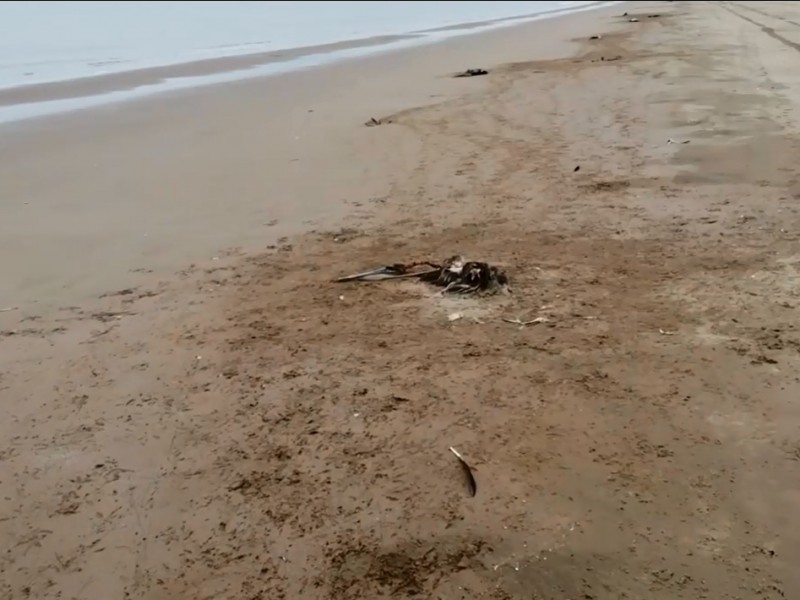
x=536 y=321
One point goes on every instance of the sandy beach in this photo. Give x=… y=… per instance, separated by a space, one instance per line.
x=194 y=410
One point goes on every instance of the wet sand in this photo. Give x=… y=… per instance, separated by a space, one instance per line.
x=179 y=177
x=128 y=80
x=200 y=413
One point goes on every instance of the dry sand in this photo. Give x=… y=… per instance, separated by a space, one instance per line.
x=183 y=427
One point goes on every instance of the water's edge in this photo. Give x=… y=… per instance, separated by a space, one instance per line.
x=50 y=98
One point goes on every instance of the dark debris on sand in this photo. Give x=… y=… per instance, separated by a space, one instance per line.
x=472 y=73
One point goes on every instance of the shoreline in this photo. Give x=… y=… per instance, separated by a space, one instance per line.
x=28 y=101
x=178 y=157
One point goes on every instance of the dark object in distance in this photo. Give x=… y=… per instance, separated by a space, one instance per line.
x=653 y=16
x=373 y=122
x=576 y=169
x=595 y=37
x=624 y=14
x=471 y=483
x=473 y=73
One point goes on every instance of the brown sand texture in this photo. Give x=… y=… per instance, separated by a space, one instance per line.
x=192 y=409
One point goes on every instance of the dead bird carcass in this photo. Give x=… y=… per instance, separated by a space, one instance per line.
x=455 y=275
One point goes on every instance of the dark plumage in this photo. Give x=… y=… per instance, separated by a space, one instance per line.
x=460 y=276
